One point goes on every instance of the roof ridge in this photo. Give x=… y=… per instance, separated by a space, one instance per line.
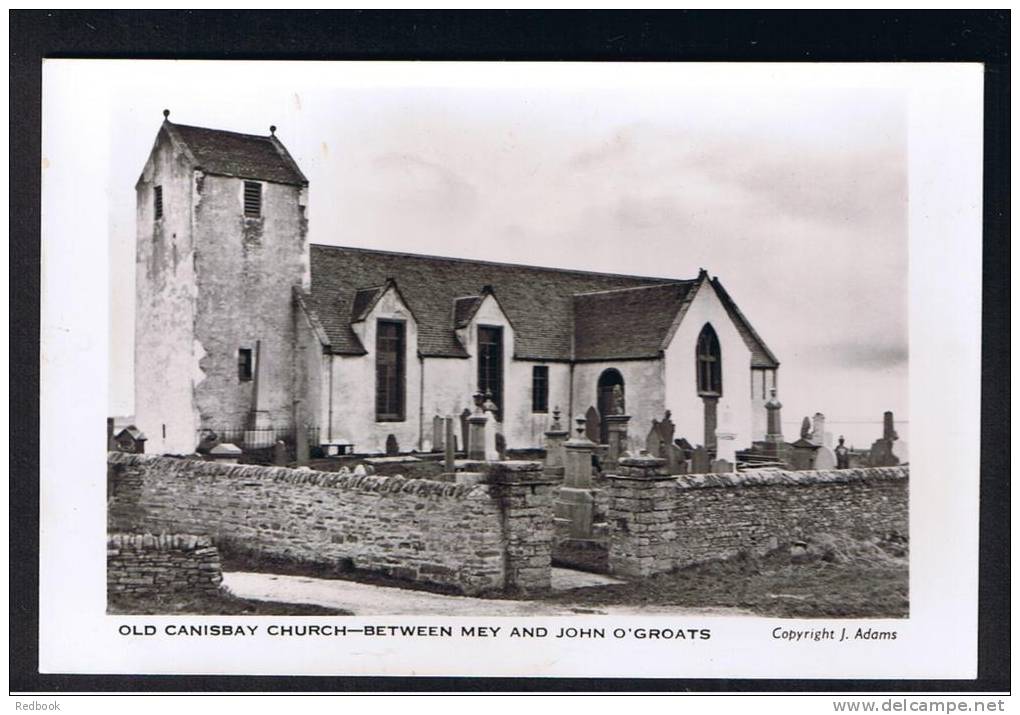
x=263 y=137
x=551 y=269
x=671 y=283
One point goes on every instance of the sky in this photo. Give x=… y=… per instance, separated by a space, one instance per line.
x=789 y=186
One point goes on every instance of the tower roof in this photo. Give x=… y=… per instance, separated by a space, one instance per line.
x=246 y=156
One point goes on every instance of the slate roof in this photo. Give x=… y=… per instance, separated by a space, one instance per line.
x=545 y=305
x=626 y=323
x=464 y=309
x=246 y=156
x=363 y=301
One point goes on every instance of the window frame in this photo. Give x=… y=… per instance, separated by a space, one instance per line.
x=500 y=378
x=245 y=364
x=708 y=363
x=157 y=202
x=540 y=389
x=400 y=378
x=245 y=198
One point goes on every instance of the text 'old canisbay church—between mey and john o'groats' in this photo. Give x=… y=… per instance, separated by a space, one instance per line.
x=242 y=325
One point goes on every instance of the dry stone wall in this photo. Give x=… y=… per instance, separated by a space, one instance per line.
x=476 y=538
x=660 y=523
x=148 y=565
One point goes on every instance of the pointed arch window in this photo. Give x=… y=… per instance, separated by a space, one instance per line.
x=709 y=362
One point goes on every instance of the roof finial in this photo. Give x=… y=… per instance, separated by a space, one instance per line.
x=166 y=114
x=272 y=129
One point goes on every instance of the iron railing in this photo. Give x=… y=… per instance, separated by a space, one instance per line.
x=250 y=440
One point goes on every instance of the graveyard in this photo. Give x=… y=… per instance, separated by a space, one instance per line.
x=394 y=419
x=789 y=529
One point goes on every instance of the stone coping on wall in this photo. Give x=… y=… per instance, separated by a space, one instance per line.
x=333 y=480
x=157 y=542
x=777 y=477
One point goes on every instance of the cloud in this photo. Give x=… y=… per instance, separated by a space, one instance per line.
x=410 y=179
x=880 y=355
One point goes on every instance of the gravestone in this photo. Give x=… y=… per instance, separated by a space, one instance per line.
x=685 y=447
x=901 y=451
x=802 y=454
x=700 y=461
x=392 y=448
x=818 y=434
x=280 y=453
x=774 y=420
x=465 y=438
x=592 y=425
x=653 y=442
x=450 y=445
x=842 y=455
x=476 y=439
x=721 y=466
x=555 y=436
x=225 y=453
x=882 y=454
x=676 y=460
x=438 y=438
x=825 y=458
x=805 y=428
x=301 y=444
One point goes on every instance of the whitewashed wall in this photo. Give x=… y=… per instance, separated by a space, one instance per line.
x=353 y=386
x=681 y=388
x=642 y=387
x=167 y=354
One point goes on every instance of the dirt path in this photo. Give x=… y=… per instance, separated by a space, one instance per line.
x=368 y=600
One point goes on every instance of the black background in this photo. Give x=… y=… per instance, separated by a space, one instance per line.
x=740 y=36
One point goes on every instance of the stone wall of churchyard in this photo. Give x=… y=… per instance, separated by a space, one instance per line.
x=147 y=564
x=660 y=523
x=476 y=538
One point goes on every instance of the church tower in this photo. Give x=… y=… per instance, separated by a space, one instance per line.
x=221 y=246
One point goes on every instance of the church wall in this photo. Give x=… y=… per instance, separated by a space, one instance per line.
x=246 y=269
x=762 y=381
x=309 y=374
x=354 y=384
x=526 y=429
x=451 y=382
x=643 y=393
x=166 y=353
x=681 y=377
x=490 y=314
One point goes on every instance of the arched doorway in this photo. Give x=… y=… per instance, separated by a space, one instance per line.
x=610 y=400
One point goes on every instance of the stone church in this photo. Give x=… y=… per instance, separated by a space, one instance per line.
x=242 y=325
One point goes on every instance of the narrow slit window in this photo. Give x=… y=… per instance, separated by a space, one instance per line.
x=252 y=199
x=244 y=364
x=157 y=197
x=540 y=388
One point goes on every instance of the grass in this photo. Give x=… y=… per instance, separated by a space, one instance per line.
x=220 y=603
x=833 y=579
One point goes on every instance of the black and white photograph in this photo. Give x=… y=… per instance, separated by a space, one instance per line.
x=481 y=342
x=592 y=362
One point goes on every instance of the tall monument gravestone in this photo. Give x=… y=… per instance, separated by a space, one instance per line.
x=882 y=450
x=575 y=503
